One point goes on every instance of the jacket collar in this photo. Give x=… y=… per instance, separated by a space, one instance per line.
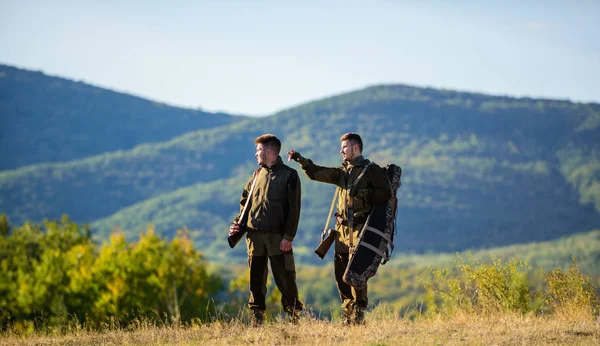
x=358 y=161
x=278 y=163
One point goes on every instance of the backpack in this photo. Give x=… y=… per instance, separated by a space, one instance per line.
x=376 y=240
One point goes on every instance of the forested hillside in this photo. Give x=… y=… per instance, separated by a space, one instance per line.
x=480 y=171
x=50 y=119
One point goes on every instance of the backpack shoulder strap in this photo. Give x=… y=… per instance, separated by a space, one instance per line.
x=360 y=175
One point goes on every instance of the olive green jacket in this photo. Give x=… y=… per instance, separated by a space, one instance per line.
x=373 y=188
x=275 y=202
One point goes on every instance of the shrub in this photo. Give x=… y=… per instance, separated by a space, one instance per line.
x=570 y=294
x=480 y=288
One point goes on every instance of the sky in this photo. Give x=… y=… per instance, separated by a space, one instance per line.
x=258 y=57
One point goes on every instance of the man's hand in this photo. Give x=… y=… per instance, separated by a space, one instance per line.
x=233 y=229
x=285 y=245
x=293 y=155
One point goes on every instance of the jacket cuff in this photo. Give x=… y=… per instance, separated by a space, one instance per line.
x=303 y=162
x=288 y=237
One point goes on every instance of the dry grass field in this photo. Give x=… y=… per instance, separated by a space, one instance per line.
x=383 y=327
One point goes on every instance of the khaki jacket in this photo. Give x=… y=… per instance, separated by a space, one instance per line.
x=373 y=188
x=275 y=202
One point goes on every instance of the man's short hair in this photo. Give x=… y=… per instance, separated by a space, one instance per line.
x=270 y=141
x=353 y=137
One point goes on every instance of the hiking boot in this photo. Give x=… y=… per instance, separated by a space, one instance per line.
x=258 y=318
x=347 y=317
x=358 y=316
x=294 y=316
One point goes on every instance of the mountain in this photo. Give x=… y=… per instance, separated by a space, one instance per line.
x=50 y=119
x=480 y=171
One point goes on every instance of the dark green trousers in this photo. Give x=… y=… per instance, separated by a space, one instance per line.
x=263 y=247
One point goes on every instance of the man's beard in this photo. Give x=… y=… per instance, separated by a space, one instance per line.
x=347 y=157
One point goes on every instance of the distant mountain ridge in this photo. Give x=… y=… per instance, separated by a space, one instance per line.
x=480 y=171
x=51 y=119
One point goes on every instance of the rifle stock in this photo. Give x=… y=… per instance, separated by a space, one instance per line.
x=327 y=235
x=327 y=238
x=236 y=237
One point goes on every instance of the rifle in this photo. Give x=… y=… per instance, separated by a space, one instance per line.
x=328 y=234
x=236 y=237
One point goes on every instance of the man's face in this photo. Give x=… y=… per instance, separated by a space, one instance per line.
x=261 y=154
x=348 y=150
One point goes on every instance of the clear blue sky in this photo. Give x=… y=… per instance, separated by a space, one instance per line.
x=258 y=57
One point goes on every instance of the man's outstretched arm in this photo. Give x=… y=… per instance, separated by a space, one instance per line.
x=329 y=175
